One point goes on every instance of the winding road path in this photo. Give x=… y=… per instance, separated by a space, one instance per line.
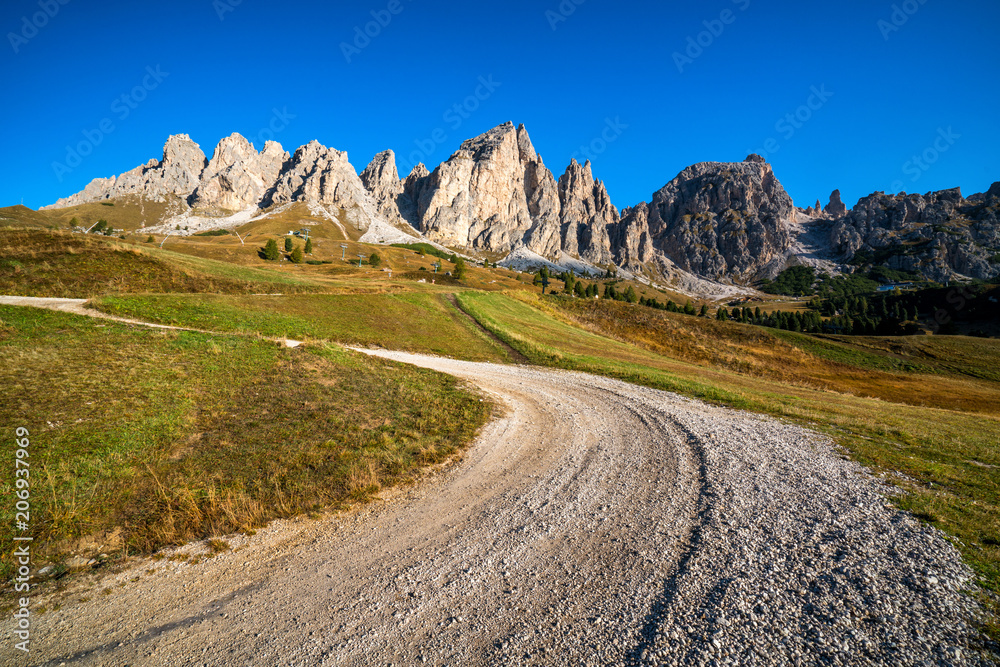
x=594 y=523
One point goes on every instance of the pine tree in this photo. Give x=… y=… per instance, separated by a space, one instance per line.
x=722 y=315
x=309 y=246
x=630 y=295
x=459 y=271
x=271 y=251
x=704 y=311
x=374 y=261
x=296 y=255
x=288 y=244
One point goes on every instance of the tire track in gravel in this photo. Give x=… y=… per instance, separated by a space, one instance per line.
x=594 y=523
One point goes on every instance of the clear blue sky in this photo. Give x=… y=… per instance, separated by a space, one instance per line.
x=889 y=91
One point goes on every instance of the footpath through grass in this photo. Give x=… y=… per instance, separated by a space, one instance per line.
x=946 y=460
x=414 y=321
x=143 y=438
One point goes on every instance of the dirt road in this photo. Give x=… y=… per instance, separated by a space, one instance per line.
x=595 y=523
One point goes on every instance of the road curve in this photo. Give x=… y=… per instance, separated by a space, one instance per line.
x=594 y=523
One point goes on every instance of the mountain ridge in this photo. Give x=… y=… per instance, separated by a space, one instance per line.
x=728 y=222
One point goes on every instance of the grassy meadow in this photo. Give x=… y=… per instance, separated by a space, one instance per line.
x=166 y=452
x=136 y=444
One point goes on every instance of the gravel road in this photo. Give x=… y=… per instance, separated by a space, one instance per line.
x=594 y=523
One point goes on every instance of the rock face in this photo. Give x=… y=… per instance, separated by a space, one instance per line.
x=836 y=208
x=320 y=175
x=178 y=174
x=381 y=180
x=479 y=196
x=237 y=176
x=588 y=218
x=730 y=222
x=632 y=241
x=939 y=235
x=496 y=194
x=722 y=220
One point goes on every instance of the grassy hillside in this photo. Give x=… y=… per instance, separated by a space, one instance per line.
x=131 y=213
x=416 y=322
x=166 y=452
x=22 y=216
x=62 y=264
x=921 y=411
x=946 y=460
x=891 y=369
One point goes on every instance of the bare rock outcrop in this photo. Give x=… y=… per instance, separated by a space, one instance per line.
x=476 y=198
x=588 y=218
x=632 y=241
x=237 y=177
x=722 y=220
x=320 y=175
x=178 y=174
x=496 y=194
x=381 y=179
x=939 y=235
x=835 y=208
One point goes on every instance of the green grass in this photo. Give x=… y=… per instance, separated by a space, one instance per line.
x=845 y=352
x=426 y=248
x=953 y=455
x=136 y=443
x=415 y=321
x=62 y=264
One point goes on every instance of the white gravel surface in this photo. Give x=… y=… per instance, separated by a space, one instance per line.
x=595 y=523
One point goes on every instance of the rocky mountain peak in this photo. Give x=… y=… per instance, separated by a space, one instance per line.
x=237 y=177
x=525 y=148
x=381 y=180
x=179 y=171
x=321 y=175
x=419 y=171
x=940 y=235
x=722 y=219
x=836 y=208
x=381 y=171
